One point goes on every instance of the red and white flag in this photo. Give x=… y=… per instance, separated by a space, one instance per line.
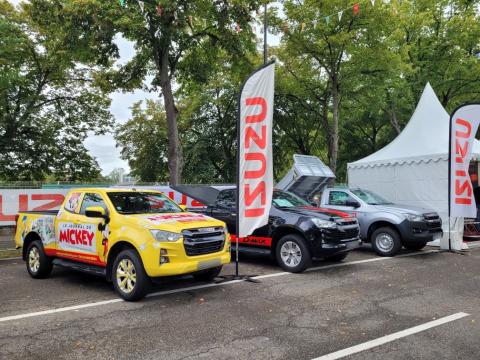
x=255 y=161
x=463 y=127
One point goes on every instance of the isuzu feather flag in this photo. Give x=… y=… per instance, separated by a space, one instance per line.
x=463 y=127
x=255 y=163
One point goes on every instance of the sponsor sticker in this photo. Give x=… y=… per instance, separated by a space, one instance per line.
x=182 y=218
x=77 y=237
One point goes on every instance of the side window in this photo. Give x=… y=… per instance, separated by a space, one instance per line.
x=91 y=199
x=226 y=199
x=73 y=202
x=338 y=198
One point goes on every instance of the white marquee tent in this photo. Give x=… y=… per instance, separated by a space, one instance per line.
x=413 y=168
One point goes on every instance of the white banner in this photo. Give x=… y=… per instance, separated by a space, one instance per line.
x=464 y=124
x=255 y=182
x=14 y=200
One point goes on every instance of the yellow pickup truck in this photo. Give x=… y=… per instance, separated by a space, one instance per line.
x=128 y=236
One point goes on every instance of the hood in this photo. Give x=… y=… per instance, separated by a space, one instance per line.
x=206 y=194
x=318 y=212
x=402 y=209
x=176 y=222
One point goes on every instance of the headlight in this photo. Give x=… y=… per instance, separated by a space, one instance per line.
x=324 y=223
x=161 y=235
x=414 y=217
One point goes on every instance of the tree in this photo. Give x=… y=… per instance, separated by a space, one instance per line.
x=47 y=104
x=143 y=140
x=174 y=39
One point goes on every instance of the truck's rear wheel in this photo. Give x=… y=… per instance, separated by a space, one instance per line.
x=293 y=254
x=386 y=241
x=39 y=265
x=207 y=275
x=129 y=277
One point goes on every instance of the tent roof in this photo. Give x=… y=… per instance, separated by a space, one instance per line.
x=424 y=139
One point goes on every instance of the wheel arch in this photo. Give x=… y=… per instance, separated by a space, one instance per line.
x=379 y=224
x=31 y=237
x=116 y=249
x=282 y=231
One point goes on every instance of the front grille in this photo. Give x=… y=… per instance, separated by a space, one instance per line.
x=346 y=230
x=434 y=223
x=203 y=241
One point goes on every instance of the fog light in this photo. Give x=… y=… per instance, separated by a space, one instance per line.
x=163 y=258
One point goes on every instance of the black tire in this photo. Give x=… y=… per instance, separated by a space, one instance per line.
x=207 y=275
x=121 y=283
x=415 y=246
x=39 y=265
x=390 y=236
x=303 y=257
x=338 y=257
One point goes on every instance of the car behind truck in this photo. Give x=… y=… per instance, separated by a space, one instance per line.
x=126 y=236
x=296 y=231
x=387 y=226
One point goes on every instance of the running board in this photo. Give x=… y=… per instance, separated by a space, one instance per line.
x=251 y=250
x=78 y=266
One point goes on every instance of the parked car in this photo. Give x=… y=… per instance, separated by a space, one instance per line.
x=126 y=236
x=387 y=226
x=296 y=231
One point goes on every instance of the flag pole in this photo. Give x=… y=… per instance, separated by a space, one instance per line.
x=265 y=29
x=449 y=180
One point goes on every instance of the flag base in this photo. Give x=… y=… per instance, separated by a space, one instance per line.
x=233 y=277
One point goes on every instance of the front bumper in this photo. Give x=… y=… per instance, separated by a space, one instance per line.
x=178 y=261
x=419 y=231
x=329 y=250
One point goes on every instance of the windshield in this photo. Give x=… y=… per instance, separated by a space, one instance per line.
x=142 y=203
x=370 y=197
x=286 y=200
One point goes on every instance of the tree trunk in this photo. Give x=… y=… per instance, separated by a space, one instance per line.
x=394 y=121
x=335 y=132
x=175 y=156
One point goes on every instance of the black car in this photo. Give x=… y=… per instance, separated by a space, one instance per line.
x=296 y=231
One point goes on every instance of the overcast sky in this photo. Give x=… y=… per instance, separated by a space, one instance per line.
x=103 y=147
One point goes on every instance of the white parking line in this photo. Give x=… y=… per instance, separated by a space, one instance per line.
x=392 y=337
x=197 y=287
x=12 y=258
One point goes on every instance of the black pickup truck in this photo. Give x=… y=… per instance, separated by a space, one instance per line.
x=296 y=231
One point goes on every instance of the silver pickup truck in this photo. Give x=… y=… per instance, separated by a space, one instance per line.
x=387 y=226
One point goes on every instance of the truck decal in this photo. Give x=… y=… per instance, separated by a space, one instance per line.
x=75 y=237
x=253 y=240
x=182 y=218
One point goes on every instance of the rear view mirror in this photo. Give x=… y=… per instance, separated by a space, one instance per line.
x=95 y=212
x=352 y=203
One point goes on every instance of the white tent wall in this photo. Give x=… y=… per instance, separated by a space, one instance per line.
x=413 y=168
x=423 y=184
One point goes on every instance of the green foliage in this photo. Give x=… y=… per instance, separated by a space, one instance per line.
x=143 y=142
x=47 y=104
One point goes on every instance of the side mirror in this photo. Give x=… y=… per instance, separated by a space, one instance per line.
x=95 y=212
x=183 y=207
x=352 y=203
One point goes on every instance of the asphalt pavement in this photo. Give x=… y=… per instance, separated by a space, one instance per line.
x=331 y=308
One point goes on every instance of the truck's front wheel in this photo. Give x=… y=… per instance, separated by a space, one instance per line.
x=129 y=277
x=386 y=241
x=39 y=265
x=293 y=254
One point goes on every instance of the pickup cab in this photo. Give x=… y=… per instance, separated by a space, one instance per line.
x=387 y=226
x=127 y=236
x=296 y=231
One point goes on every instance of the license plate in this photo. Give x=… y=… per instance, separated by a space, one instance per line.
x=202 y=265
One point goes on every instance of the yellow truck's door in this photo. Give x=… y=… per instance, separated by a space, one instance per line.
x=79 y=237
